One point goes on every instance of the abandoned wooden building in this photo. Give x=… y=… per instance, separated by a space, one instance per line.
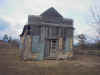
x=46 y=35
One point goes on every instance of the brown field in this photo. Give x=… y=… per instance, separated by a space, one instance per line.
x=80 y=65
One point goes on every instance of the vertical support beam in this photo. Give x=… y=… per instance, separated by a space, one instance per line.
x=28 y=48
x=42 y=44
x=46 y=32
x=46 y=42
x=71 y=43
x=60 y=43
x=42 y=33
x=50 y=31
x=46 y=48
x=60 y=32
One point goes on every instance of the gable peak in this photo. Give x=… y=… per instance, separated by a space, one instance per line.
x=52 y=12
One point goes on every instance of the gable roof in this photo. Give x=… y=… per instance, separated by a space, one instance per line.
x=51 y=12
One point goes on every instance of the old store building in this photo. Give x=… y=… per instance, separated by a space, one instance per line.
x=46 y=35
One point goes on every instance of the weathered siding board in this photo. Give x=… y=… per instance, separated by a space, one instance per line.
x=35 y=30
x=68 y=44
x=50 y=32
x=27 y=53
x=36 y=44
x=60 y=43
x=42 y=33
x=46 y=32
x=37 y=48
x=22 y=47
x=41 y=55
x=33 y=19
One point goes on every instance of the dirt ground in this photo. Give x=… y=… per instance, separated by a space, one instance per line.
x=79 y=65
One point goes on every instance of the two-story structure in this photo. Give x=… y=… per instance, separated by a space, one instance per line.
x=46 y=35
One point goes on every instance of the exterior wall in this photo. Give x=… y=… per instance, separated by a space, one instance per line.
x=38 y=44
x=50 y=19
x=25 y=51
x=68 y=44
x=28 y=48
x=33 y=19
x=37 y=48
x=35 y=30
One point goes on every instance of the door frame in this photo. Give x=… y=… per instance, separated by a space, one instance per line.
x=53 y=46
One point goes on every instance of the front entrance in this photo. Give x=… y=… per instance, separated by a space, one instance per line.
x=53 y=45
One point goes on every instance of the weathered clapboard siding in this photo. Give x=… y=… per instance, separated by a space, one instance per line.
x=50 y=34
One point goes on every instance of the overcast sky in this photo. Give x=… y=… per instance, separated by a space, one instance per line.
x=13 y=13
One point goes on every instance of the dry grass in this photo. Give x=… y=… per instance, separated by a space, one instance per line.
x=81 y=65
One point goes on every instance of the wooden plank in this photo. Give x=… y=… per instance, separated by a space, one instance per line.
x=60 y=43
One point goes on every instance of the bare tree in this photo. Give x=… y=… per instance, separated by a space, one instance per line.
x=94 y=19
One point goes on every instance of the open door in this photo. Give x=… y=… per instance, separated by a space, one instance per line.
x=53 y=45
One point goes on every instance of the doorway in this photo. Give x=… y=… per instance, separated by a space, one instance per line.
x=53 y=45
